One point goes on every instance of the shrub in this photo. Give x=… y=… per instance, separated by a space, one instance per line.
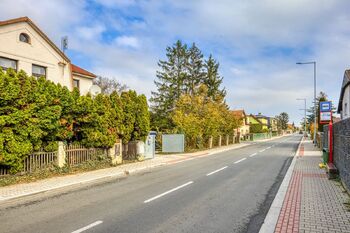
x=36 y=113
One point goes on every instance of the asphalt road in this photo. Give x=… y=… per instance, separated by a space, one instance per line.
x=225 y=192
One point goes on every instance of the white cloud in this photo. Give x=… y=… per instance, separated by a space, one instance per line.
x=116 y=3
x=257 y=42
x=127 y=41
x=90 y=32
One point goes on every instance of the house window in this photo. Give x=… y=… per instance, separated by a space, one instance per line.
x=76 y=83
x=23 y=37
x=6 y=63
x=38 y=71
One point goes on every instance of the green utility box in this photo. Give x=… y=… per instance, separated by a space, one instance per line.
x=325 y=155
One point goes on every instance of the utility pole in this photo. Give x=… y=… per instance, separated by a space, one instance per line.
x=315 y=102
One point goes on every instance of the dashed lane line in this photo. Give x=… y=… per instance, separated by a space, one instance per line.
x=88 y=226
x=213 y=172
x=238 y=161
x=167 y=192
x=252 y=155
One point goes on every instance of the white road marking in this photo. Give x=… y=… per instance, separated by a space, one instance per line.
x=167 y=192
x=252 y=155
x=238 y=161
x=262 y=150
x=268 y=148
x=220 y=169
x=88 y=227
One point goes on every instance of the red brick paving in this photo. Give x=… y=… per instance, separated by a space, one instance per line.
x=312 y=202
x=288 y=220
x=301 y=151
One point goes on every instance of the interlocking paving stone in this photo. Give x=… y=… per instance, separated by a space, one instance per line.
x=320 y=208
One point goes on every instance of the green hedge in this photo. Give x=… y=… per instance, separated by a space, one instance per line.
x=36 y=113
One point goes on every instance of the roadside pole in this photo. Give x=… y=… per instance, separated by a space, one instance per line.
x=330 y=136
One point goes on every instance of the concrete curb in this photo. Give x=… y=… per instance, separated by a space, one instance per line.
x=271 y=218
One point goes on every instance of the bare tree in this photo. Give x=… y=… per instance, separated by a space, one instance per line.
x=108 y=85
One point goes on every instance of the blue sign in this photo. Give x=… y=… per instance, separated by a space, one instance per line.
x=153 y=133
x=326 y=106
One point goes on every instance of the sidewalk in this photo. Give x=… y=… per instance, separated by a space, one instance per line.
x=21 y=190
x=312 y=203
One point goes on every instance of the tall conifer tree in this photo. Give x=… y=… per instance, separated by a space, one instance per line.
x=213 y=80
x=195 y=69
x=170 y=84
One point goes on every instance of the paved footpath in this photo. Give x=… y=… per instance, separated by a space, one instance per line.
x=312 y=202
x=20 y=190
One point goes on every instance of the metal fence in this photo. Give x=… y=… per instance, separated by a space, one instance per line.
x=77 y=154
x=4 y=170
x=33 y=162
x=39 y=160
x=260 y=136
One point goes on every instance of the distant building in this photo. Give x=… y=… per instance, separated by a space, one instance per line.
x=244 y=127
x=344 y=99
x=23 y=46
x=258 y=125
x=271 y=121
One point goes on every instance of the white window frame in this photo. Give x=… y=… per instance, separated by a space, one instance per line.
x=11 y=60
x=39 y=75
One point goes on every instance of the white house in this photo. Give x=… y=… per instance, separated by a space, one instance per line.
x=344 y=100
x=23 y=46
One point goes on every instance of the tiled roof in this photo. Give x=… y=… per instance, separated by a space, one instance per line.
x=346 y=82
x=79 y=70
x=238 y=113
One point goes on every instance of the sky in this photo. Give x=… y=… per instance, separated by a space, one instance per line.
x=256 y=42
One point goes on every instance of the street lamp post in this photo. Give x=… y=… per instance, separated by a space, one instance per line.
x=304 y=114
x=315 y=110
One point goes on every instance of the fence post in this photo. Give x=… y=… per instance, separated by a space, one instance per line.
x=61 y=155
x=210 y=142
x=219 y=140
x=227 y=139
x=116 y=153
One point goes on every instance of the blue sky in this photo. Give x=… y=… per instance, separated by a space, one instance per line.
x=257 y=42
